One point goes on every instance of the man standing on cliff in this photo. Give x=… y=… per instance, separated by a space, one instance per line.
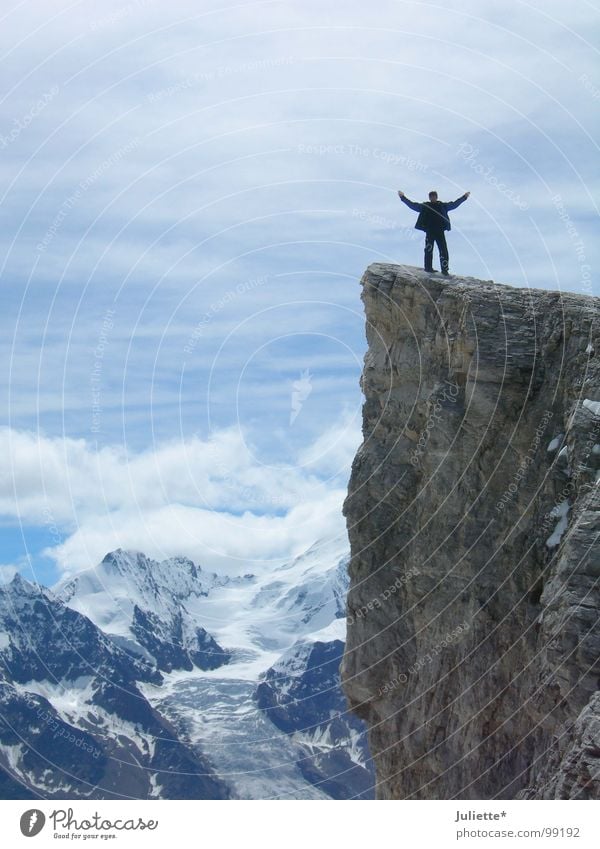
x=434 y=220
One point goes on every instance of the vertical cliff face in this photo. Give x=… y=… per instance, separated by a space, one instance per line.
x=473 y=512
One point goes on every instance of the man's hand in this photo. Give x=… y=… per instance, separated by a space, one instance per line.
x=401 y=194
x=467 y=194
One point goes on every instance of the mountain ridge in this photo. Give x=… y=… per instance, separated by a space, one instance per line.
x=124 y=684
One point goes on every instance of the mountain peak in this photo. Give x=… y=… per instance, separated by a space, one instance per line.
x=124 y=560
x=18 y=582
x=148 y=607
x=20 y=586
x=128 y=561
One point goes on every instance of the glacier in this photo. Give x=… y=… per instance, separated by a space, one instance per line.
x=169 y=681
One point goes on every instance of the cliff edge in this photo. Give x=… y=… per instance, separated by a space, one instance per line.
x=473 y=512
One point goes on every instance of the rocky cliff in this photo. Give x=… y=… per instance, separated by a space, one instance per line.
x=473 y=513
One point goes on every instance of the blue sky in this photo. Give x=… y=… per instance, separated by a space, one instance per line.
x=190 y=195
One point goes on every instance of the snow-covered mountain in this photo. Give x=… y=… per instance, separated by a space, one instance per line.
x=196 y=685
x=148 y=608
x=73 y=720
x=301 y=695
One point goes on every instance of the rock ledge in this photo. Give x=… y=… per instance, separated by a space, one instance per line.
x=473 y=513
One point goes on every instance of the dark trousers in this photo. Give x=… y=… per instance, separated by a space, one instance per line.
x=438 y=237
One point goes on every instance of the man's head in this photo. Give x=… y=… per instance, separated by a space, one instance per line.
x=433 y=196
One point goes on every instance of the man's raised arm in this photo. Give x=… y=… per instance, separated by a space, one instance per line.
x=453 y=204
x=416 y=207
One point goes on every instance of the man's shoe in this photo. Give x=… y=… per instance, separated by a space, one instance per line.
x=446 y=274
x=431 y=270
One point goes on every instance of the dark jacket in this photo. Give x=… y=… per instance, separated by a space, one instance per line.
x=433 y=215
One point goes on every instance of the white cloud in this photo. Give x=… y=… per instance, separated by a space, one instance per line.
x=71 y=479
x=220 y=541
x=412 y=81
x=333 y=451
x=7 y=572
x=217 y=192
x=210 y=499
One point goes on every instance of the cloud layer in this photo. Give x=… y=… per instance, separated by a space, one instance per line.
x=211 y=499
x=189 y=197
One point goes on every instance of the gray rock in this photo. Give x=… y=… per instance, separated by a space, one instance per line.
x=473 y=647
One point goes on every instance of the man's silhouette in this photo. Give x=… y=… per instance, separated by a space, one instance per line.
x=434 y=220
